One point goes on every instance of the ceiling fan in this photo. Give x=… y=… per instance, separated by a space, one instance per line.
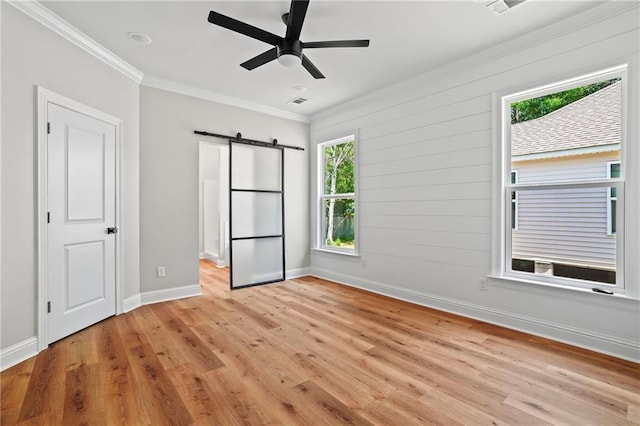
x=288 y=50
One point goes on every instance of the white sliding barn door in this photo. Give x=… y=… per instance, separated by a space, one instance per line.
x=81 y=245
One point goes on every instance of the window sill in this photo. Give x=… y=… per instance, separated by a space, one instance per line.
x=533 y=284
x=340 y=252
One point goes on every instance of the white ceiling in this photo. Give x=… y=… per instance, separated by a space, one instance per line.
x=407 y=38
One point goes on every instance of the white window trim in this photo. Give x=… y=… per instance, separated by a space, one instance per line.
x=609 y=199
x=501 y=212
x=320 y=245
x=515 y=202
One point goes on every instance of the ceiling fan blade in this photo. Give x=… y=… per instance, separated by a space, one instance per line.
x=297 y=12
x=261 y=59
x=315 y=72
x=335 y=43
x=243 y=28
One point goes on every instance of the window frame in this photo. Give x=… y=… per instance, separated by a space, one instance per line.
x=610 y=198
x=502 y=235
x=322 y=197
x=514 y=201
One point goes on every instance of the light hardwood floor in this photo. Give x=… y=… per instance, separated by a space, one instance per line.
x=307 y=351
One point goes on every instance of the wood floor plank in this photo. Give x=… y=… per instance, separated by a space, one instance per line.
x=130 y=331
x=328 y=406
x=307 y=351
x=45 y=392
x=157 y=394
x=119 y=386
x=82 y=401
x=193 y=350
x=207 y=405
x=14 y=386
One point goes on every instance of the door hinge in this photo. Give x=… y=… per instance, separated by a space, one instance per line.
x=48 y=127
x=48 y=217
x=49 y=307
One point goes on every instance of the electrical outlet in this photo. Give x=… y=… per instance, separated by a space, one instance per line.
x=161 y=271
x=484 y=284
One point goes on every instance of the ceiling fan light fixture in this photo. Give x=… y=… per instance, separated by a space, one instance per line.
x=290 y=53
x=289 y=60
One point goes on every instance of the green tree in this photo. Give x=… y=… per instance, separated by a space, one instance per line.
x=339 y=179
x=530 y=109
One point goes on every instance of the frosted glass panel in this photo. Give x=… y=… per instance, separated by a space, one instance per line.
x=256 y=214
x=254 y=167
x=256 y=261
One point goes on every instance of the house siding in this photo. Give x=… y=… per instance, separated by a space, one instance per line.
x=564 y=226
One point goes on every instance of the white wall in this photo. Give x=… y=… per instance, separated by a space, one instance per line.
x=169 y=180
x=425 y=184
x=33 y=55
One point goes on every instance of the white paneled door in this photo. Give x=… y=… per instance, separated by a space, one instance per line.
x=81 y=233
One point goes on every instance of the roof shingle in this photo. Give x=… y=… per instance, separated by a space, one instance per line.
x=591 y=121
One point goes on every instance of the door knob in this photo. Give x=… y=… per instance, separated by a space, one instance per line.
x=112 y=230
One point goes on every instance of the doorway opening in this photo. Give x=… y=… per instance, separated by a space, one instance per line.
x=213 y=212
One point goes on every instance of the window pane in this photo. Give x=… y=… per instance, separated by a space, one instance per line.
x=339 y=171
x=256 y=261
x=568 y=135
x=615 y=170
x=256 y=214
x=613 y=215
x=255 y=167
x=338 y=230
x=563 y=233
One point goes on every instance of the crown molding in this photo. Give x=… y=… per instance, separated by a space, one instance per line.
x=46 y=17
x=208 y=95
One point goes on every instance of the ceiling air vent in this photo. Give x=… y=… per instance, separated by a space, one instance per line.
x=297 y=100
x=500 y=6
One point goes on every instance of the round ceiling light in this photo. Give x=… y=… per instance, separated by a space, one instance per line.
x=139 y=38
x=289 y=60
x=299 y=89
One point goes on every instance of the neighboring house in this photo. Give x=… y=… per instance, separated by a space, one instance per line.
x=568 y=229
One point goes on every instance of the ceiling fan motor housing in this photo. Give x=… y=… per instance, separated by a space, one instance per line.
x=290 y=47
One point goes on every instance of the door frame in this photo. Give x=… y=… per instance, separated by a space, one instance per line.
x=44 y=98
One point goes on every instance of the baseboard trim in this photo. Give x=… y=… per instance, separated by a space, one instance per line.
x=209 y=256
x=620 y=348
x=297 y=273
x=19 y=352
x=168 y=294
x=130 y=303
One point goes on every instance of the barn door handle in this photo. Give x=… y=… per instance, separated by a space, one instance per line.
x=112 y=230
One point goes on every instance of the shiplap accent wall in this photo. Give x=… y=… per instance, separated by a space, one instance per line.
x=565 y=226
x=425 y=168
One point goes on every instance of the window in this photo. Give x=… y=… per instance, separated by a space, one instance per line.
x=557 y=141
x=514 y=201
x=613 y=172
x=337 y=179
